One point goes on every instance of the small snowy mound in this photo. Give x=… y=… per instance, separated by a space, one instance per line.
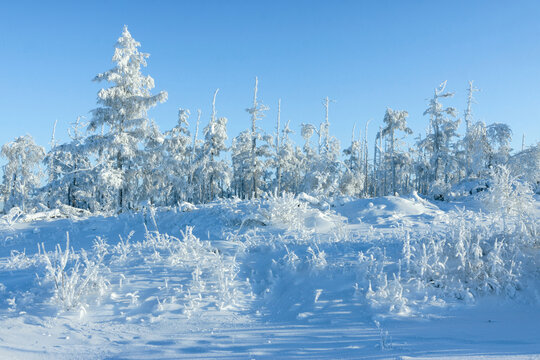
x=16 y=215
x=297 y=213
x=388 y=209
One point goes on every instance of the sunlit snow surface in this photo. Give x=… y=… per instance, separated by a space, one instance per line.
x=283 y=278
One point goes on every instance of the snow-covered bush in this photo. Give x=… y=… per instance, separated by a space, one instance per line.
x=507 y=195
x=213 y=277
x=285 y=210
x=513 y=201
x=74 y=276
x=12 y=216
x=471 y=255
x=526 y=163
x=19 y=260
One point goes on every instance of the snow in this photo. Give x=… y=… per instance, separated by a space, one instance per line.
x=272 y=278
x=389 y=209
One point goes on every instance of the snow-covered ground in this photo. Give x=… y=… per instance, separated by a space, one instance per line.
x=289 y=277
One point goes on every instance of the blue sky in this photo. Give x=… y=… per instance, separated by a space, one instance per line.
x=366 y=55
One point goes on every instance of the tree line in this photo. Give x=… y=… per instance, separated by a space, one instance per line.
x=120 y=159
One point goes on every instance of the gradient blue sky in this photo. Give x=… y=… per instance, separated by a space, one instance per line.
x=366 y=55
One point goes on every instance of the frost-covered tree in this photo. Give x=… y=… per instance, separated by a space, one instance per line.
x=499 y=136
x=53 y=170
x=22 y=174
x=394 y=121
x=379 y=171
x=176 y=168
x=322 y=168
x=352 y=180
x=216 y=170
x=526 y=164
x=324 y=128
x=278 y=163
x=469 y=141
x=329 y=169
x=289 y=162
x=196 y=165
x=249 y=151
x=241 y=160
x=69 y=167
x=286 y=159
x=478 y=149
x=309 y=160
x=366 y=160
x=152 y=168
x=439 y=140
x=123 y=114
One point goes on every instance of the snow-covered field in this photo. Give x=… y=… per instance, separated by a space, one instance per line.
x=287 y=277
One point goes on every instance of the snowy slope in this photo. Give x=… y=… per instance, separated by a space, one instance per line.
x=278 y=278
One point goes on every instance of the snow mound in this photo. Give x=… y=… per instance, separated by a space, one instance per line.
x=388 y=209
x=298 y=213
x=15 y=215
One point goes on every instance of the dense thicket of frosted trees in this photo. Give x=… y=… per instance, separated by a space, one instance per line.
x=120 y=160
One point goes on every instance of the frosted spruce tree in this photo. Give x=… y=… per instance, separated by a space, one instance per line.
x=526 y=164
x=352 y=181
x=478 y=150
x=287 y=159
x=499 y=136
x=309 y=160
x=52 y=164
x=175 y=171
x=278 y=163
x=123 y=116
x=439 y=141
x=196 y=165
x=241 y=160
x=69 y=167
x=470 y=138
x=248 y=154
x=22 y=173
x=152 y=168
x=321 y=167
x=217 y=172
x=329 y=167
x=395 y=120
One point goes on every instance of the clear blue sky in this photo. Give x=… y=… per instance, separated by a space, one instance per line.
x=366 y=55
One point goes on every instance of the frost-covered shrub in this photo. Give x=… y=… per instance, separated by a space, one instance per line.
x=526 y=163
x=471 y=255
x=507 y=195
x=383 y=292
x=317 y=258
x=513 y=201
x=12 y=216
x=286 y=211
x=74 y=276
x=213 y=277
x=123 y=248
x=19 y=260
